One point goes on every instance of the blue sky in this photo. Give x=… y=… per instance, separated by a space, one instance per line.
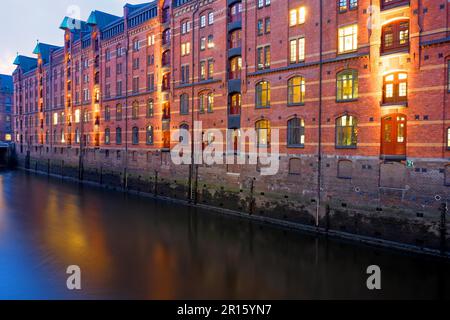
x=23 y=22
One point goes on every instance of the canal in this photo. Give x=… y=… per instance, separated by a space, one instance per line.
x=131 y=247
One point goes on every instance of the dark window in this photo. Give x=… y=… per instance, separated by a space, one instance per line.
x=119 y=136
x=135 y=136
x=296 y=133
x=184 y=104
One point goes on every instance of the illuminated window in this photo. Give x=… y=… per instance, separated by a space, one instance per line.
x=107 y=136
x=395 y=36
x=297 y=16
x=297 y=50
x=395 y=88
x=296 y=91
x=8 y=137
x=263 y=133
x=235 y=104
x=77 y=116
x=149 y=135
x=235 y=68
x=135 y=111
x=346 y=132
x=348 y=38
x=150 y=108
x=347 y=85
x=119 y=112
x=345 y=5
x=448 y=138
x=296 y=133
x=55 y=119
x=263 y=95
x=263 y=57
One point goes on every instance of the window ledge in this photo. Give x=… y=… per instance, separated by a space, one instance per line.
x=393 y=104
x=301 y=104
x=300 y=146
x=347 y=147
x=347 y=100
x=388 y=52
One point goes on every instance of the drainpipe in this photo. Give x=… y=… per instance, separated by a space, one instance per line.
x=193 y=169
x=319 y=151
x=125 y=170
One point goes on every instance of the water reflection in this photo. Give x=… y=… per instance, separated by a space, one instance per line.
x=129 y=247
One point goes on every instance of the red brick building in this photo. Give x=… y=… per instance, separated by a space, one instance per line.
x=6 y=102
x=357 y=88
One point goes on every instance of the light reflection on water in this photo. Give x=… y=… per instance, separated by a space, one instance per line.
x=131 y=247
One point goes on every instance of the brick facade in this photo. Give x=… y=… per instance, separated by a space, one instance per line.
x=6 y=106
x=366 y=82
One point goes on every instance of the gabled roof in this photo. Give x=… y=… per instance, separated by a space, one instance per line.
x=101 y=19
x=45 y=50
x=74 y=25
x=26 y=63
x=6 y=82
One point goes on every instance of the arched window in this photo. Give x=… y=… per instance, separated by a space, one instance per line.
x=296 y=91
x=235 y=104
x=135 y=111
x=166 y=58
x=150 y=108
x=263 y=133
x=263 y=95
x=395 y=88
x=184 y=104
x=119 y=112
x=149 y=135
x=347 y=85
x=184 y=133
x=235 y=68
x=296 y=133
x=107 y=136
x=346 y=132
x=395 y=36
x=119 y=136
x=135 y=136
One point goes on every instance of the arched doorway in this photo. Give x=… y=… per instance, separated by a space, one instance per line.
x=393 y=136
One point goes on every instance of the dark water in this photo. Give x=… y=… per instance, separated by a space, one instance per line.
x=130 y=247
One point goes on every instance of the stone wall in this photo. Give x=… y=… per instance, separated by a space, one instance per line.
x=360 y=196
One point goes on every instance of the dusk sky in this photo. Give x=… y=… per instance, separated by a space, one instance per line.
x=23 y=22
